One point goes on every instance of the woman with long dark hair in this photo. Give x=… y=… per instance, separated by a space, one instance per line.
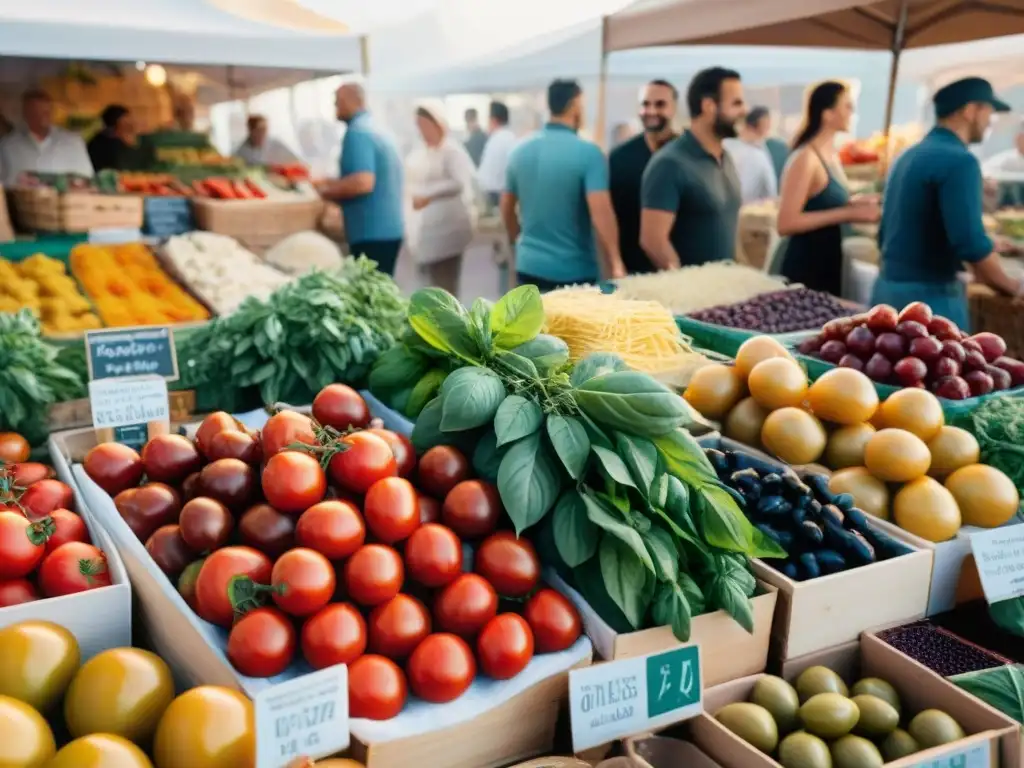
x=814 y=201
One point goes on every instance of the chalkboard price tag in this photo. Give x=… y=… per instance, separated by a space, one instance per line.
x=124 y=352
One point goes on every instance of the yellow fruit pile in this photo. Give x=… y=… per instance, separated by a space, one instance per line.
x=129 y=288
x=898 y=456
x=42 y=284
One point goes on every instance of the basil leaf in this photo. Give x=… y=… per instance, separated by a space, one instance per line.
x=613 y=466
x=671 y=609
x=623 y=577
x=528 y=482
x=442 y=322
x=595 y=433
x=480 y=324
x=601 y=517
x=641 y=457
x=576 y=538
x=694 y=596
x=685 y=459
x=426 y=432
x=487 y=457
x=471 y=398
x=523 y=366
x=426 y=389
x=545 y=351
x=659 y=490
x=726 y=527
x=633 y=402
x=662 y=548
x=398 y=368
x=596 y=364
x=726 y=593
x=1000 y=687
x=677 y=505
x=569 y=439
x=517 y=317
x=516 y=417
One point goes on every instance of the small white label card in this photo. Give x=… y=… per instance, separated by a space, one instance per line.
x=122 y=402
x=977 y=755
x=999 y=555
x=304 y=717
x=619 y=698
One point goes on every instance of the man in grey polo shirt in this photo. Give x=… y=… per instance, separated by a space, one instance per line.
x=690 y=195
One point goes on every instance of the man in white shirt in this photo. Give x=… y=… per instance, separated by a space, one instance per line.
x=261 y=149
x=494 y=162
x=40 y=147
x=753 y=163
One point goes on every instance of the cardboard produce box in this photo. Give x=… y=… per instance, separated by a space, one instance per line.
x=989 y=732
x=663 y=752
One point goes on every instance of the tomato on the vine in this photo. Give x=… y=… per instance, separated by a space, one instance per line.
x=433 y=555
x=391 y=509
x=213 y=601
x=261 y=643
x=284 y=428
x=554 y=621
x=114 y=467
x=401 y=446
x=30 y=472
x=465 y=605
x=19 y=553
x=71 y=568
x=60 y=527
x=16 y=592
x=510 y=564
x=13 y=448
x=396 y=627
x=293 y=482
x=376 y=688
x=341 y=407
x=374 y=574
x=170 y=458
x=43 y=497
x=505 y=646
x=336 y=634
x=472 y=509
x=365 y=459
x=441 y=668
x=212 y=426
x=441 y=469
x=303 y=581
x=334 y=528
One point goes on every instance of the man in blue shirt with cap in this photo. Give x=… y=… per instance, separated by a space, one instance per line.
x=932 y=212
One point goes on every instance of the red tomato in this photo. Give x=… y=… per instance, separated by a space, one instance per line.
x=334 y=635
x=13 y=448
x=59 y=528
x=264 y=528
x=505 y=646
x=41 y=499
x=341 y=407
x=73 y=567
x=229 y=481
x=374 y=574
x=430 y=509
x=285 y=428
x=465 y=605
x=169 y=550
x=433 y=555
x=303 y=581
x=170 y=458
x=16 y=592
x=510 y=564
x=261 y=643
x=293 y=482
x=472 y=509
x=441 y=469
x=391 y=509
x=205 y=524
x=398 y=626
x=147 y=508
x=376 y=688
x=235 y=445
x=113 y=467
x=213 y=601
x=19 y=555
x=333 y=528
x=29 y=472
x=366 y=460
x=554 y=621
x=401 y=446
x=441 y=668
x=212 y=426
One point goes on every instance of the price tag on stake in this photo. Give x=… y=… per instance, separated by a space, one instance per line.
x=999 y=555
x=304 y=717
x=121 y=352
x=975 y=756
x=616 y=699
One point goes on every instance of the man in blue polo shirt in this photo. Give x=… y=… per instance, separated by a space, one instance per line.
x=370 y=188
x=559 y=184
x=932 y=211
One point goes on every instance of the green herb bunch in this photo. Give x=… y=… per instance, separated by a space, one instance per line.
x=31 y=377
x=593 y=458
x=319 y=329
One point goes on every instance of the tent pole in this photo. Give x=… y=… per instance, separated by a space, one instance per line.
x=602 y=88
x=898 y=41
x=364 y=55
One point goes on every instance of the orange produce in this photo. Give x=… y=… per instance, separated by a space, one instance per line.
x=777 y=382
x=754 y=350
x=843 y=396
x=951 y=449
x=714 y=390
x=896 y=456
x=915 y=410
x=100 y=750
x=846 y=446
x=744 y=422
x=793 y=435
x=869 y=493
x=926 y=509
x=987 y=497
x=14 y=448
x=206 y=727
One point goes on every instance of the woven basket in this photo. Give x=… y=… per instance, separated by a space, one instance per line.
x=258 y=224
x=999 y=315
x=46 y=210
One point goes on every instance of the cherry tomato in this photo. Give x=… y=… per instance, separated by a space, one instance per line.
x=510 y=564
x=19 y=554
x=472 y=509
x=213 y=601
x=366 y=460
x=261 y=643
x=212 y=426
x=113 y=467
x=505 y=646
x=374 y=574
x=147 y=508
x=554 y=621
x=433 y=555
x=235 y=445
x=60 y=527
x=391 y=509
x=334 y=528
x=303 y=581
x=341 y=407
x=187 y=582
x=205 y=524
x=43 y=497
x=293 y=482
x=283 y=429
x=441 y=469
x=190 y=487
x=396 y=627
x=336 y=634
x=169 y=550
x=376 y=688
x=73 y=567
x=170 y=458
x=264 y=528
x=229 y=481
x=441 y=668
x=16 y=592
x=14 y=448
x=401 y=446
x=30 y=472
x=430 y=508
x=465 y=605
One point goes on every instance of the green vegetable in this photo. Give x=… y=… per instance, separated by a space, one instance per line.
x=999 y=687
x=998 y=426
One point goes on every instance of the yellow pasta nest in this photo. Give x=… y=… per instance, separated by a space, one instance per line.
x=41 y=283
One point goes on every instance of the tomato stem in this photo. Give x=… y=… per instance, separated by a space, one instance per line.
x=246 y=595
x=91 y=568
x=40 y=532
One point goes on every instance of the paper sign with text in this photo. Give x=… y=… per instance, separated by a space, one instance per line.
x=126 y=402
x=620 y=698
x=304 y=717
x=131 y=352
x=999 y=555
x=975 y=756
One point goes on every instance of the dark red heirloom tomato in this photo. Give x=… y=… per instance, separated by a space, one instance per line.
x=264 y=528
x=510 y=564
x=235 y=445
x=374 y=574
x=465 y=605
x=293 y=482
x=229 y=481
x=170 y=458
x=554 y=621
x=336 y=634
x=472 y=509
x=376 y=688
x=212 y=426
x=397 y=627
x=206 y=524
x=169 y=551
x=113 y=467
x=441 y=469
x=261 y=643
x=430 y=509
x=505 y=646
x=433 y=555
x=391 y=509
x=441 y=668
x=334 y=528
x=303 y=582
x=341 y=407
x=147 y=508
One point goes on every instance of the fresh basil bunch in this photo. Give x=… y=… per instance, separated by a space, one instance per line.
x=593 y=457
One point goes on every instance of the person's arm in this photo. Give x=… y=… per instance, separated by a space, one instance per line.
x=797 y=179
x=602 y=215
x=660 y=195
x=358 y=168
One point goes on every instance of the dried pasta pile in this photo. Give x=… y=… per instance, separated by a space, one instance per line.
x=691 y=289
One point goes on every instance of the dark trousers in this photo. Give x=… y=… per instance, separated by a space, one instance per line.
x=542 y=285
x=384 y=252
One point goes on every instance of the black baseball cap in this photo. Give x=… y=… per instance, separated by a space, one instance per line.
x=969 y=90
